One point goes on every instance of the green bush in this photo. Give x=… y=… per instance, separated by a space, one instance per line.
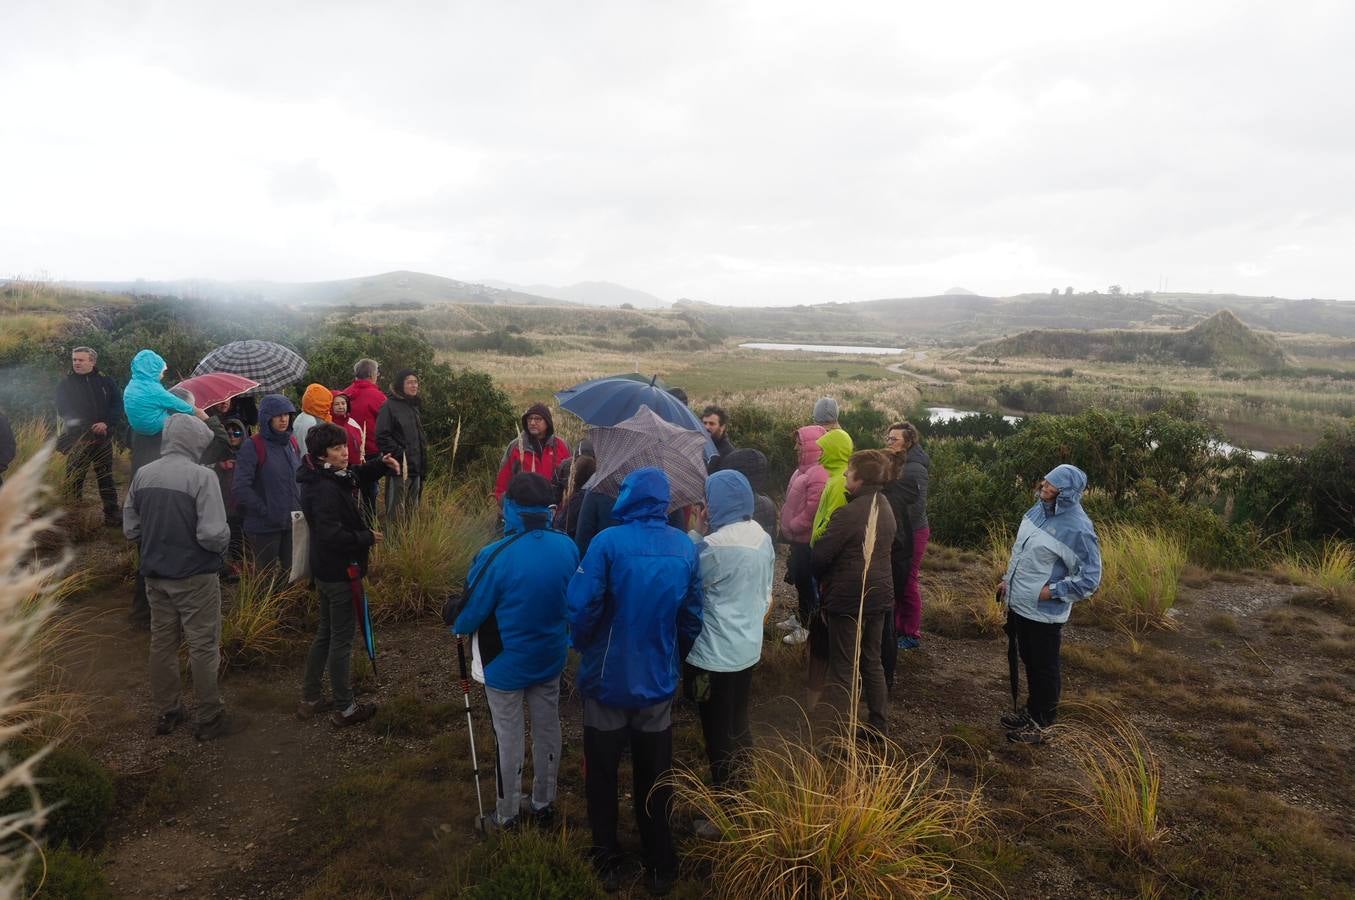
x=1308 y=494
x=965 y=498
x=524 y=864
x=69 y=876
x=765 y=429
x=77 y=790
x=866 y=425
x=495 y=341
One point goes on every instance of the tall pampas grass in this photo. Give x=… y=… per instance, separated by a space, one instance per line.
x=25 y=605
x=868 y=550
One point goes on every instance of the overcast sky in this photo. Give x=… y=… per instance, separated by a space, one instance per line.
x=735 y=152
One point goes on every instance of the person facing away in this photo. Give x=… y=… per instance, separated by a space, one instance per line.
x=856 y=594
x=752 y=464
x=265 y=484
x=567 y=516
x=224 y=467
x=836 y=449
x=825 y=413
x=365 y=400
x=797 y=523
x=1056 y=561
x=399 y=432
x=635 y=607
x=174 y=512
x=90 y=406
x=316 y=402
x=340 y=539
x=536 y=449
x=736 y=580
x=516 y=612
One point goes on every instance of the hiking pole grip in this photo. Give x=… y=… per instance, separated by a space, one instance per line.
x=461 y=659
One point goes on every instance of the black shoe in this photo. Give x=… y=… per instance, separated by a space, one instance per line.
x=169 y=721
x=1015 y=721
x=361 y=713
x=223 y=725
x=871 y=736
x=659 y=883
x=544 y=818
x=1032 y=734
x=607 y=867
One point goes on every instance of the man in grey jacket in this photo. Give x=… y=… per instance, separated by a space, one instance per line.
x=174 y=509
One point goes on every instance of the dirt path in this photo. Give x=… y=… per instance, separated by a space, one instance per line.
x=898 y=369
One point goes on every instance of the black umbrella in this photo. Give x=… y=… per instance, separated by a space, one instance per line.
x=1013 y=657
x=272 y=365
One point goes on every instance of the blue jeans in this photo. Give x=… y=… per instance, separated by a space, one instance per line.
x=333 y=646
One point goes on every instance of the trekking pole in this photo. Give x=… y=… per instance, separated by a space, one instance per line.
x=470 y=729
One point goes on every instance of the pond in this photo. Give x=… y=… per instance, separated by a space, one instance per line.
x=827 y=348
x=947 y=414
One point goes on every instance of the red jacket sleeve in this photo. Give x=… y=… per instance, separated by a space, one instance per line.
x=505 y=474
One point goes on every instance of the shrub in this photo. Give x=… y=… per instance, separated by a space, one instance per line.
x=763 y=428
x=77 y=790
x=861 y=823
x=865 y=424
x=503 y=342
x=260 y=619
x=966 y=498
x=526 y=863
x=1121 y=779
x=426 y=557
x=1331 y=570
x=1141 y=569
x=66 y=875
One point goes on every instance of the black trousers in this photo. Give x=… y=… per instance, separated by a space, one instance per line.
x=1039 y=643
x=724 y=719
x=96 y=455
x=145 y=449
x=800 y=573
x=651 y=755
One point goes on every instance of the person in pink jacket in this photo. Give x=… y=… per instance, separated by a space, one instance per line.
x=797 y=523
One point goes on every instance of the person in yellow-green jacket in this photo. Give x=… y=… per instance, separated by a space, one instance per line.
x=837 y=448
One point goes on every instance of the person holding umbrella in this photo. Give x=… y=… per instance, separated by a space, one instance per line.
x=339 y=538
x=265 y=484
x=515 y=608
x=1056 y=561
x=635 y=610
x=90 y=406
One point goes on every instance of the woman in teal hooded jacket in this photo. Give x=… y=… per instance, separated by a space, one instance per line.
x=147 y=404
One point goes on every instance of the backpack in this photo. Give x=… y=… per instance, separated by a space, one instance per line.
x=261 y=448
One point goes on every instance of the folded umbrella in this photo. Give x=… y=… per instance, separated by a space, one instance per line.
x=643 y=440
x=271 y=365
x=216 y=387
x=362 y=613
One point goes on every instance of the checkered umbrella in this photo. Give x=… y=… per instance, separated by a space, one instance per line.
x=272 y=365
x=643 y=440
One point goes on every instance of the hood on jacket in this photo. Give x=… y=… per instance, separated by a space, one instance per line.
x=1071 y=482
x=729 y=498
x=274 y=405
x=644 y=496
x=185 y=436
x=542 y=410
x=336 y=417
x=147 y=364
x=837 y=451
x=918 y=456
x=752 y=464
x=517 y=517
x=317 y=401
x=807 y=445
x=398 y=385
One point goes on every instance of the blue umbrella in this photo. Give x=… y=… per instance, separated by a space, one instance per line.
x=614 y=399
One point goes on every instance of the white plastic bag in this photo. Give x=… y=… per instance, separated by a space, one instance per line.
x=301 y=547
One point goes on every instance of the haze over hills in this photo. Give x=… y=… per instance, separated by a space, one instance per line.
x=591 y=293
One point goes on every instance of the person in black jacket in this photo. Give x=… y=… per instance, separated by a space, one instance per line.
x=339 y=538
x=90 y=406
x=8 y=448
x=399 y=433
x=752 y=464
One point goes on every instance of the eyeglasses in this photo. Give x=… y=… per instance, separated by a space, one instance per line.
x=234 y=433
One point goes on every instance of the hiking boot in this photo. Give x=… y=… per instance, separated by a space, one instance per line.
x=797 y=635
x=907 y=642
x=222 y=726
x=1015 y=721
x=169 y=721
x=360 y=712
x=657 y=883
x=493 y=823
x=309 y=709
x=544 y=818
x=788 y=624
x=1031 y=734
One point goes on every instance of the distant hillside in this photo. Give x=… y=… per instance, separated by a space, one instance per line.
x=387 y=289
x=1219 y=341
x=590 y=293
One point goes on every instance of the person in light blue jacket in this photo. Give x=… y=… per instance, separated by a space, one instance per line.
x=736 y=578
x=1056 y=561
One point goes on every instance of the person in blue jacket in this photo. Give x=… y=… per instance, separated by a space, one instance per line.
x=266 y=490
x=1056 y=561
x=634 y=614
x=736 y=579
x=516 y=612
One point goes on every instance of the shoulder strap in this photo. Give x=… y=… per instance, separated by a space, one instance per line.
x=295 y=447
x=260 y=450
x=489 y=562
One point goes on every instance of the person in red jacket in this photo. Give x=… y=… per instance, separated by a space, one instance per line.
x=365 y=400
x=536 y=449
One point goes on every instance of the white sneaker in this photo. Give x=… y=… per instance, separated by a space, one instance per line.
x=797 y=636
x=788 y=624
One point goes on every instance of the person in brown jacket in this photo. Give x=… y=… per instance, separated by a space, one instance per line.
x=838 y=560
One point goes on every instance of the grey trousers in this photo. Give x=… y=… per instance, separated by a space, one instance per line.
x=332 y=648
x=505 y=708
x=841 y=649
x=186 y=610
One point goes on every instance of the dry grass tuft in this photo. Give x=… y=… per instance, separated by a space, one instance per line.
x=426 y=557
x=1330 y=573
x=1141 y=572
x=24 y=609
x=858 y=823
x=963 y=615
x=1121 y=779
x=261 y=619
